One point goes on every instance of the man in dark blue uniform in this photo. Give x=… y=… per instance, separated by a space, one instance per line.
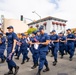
x=70 y=43
x=51 y=45
x=75 y=39
x=44 y=40
x=11 y=38
x=35 y=54
x=17 y=45
x=28 y=46
x=62 y=44
x=2 y=47
x=37 y=33
x=23 y=49
x=55 y=41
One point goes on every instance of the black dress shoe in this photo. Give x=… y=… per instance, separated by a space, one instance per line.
x=61 y=57
x=51 y=56
x=3 y=60
x=70 y=59
x=34 y=66
x=39 y=72
x=28 y=59
x=16 y=70
x=54 y=63
x=8 y=73
x=23 y=62
x=15 y=55
x=17 y=58
x=45 y=70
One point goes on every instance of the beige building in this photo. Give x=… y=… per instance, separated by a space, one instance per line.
x=19 y=26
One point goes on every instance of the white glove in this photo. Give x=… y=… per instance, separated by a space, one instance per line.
x=36 y=46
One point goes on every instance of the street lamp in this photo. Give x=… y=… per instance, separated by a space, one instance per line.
x=36 y=14
x=28 y=19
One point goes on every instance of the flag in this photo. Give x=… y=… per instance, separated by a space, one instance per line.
x=35 y=40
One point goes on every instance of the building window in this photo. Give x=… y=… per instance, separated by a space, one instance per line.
x=57 y=27
x=57 y=23
x=64 y=26
x=45 y=24
x=53 y=27
x=53 y=23
x=60 y=26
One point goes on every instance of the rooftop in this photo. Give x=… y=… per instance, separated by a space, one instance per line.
x=47 y=18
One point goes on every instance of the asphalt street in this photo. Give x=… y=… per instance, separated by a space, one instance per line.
x=63 y=67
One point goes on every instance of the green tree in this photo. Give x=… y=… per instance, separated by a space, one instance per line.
x=30 y=30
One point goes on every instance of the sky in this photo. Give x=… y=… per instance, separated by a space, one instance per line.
x=64 y=9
